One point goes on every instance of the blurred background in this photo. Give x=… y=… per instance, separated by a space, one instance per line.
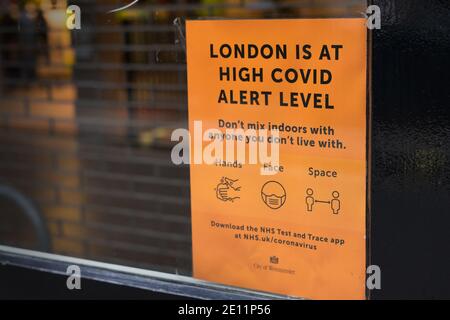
x=85 y=123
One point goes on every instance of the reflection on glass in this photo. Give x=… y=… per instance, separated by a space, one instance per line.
x=86 y=117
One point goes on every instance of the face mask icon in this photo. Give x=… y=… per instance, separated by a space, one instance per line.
x=273 y=194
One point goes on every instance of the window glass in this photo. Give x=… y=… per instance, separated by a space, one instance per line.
x=85 y=122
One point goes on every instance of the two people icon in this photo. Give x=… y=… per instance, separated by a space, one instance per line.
x=334 y=203
x=310 y=199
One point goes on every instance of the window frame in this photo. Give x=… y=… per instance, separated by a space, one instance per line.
x=153 y=281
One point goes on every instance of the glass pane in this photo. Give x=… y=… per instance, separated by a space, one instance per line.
x=86 y=117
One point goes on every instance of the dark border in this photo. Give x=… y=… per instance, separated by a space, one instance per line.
x=178 y=287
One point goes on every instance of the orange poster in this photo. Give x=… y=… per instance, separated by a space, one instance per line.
x=277 y=122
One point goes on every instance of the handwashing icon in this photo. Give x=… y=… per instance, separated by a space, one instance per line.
x=227 y=189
